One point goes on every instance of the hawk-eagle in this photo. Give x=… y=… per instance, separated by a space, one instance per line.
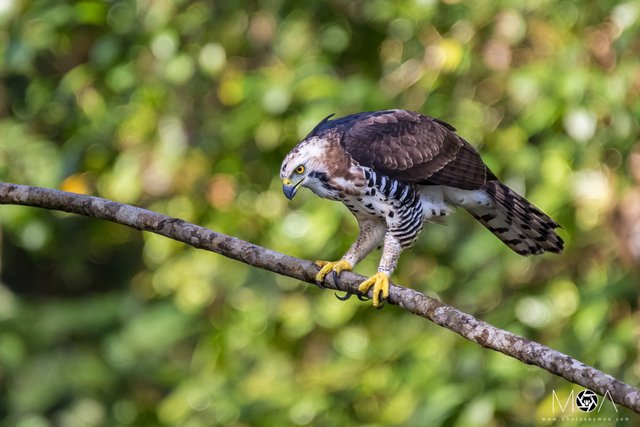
x=396 y=169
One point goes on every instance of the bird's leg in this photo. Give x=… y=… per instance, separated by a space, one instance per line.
x=403 y=229
x=370 y=236
x=380 y=280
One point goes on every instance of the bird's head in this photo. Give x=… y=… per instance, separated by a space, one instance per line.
x=305 y=166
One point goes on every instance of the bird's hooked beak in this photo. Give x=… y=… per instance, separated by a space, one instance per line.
x=289 y=188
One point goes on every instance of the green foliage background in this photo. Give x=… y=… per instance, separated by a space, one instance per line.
x=188 y=107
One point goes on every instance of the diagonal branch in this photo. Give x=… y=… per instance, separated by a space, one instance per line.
x=469 y=327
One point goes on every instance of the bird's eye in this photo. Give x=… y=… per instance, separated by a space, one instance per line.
x=300 y=169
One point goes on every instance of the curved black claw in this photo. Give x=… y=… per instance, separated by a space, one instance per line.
x=335 y=277
x=382 y=303
x=345 y=297
x=321 y=284
x=348 y=295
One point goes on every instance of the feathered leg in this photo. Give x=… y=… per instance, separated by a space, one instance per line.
x=380 y=281
x=370 y=236
x=403 y=230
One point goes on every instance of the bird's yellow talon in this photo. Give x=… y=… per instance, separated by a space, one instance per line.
x=380 y=283
x=329 y=266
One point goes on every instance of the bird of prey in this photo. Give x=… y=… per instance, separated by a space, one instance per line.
x=397 y=169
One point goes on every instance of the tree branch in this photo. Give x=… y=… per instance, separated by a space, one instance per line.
x=469 y=327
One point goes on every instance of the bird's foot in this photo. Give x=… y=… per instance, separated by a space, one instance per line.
x=380 y=283
x=331 y=266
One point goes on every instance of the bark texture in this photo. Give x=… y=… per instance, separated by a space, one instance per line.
x=488 y=336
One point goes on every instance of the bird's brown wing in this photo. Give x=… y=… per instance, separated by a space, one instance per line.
x=414 y=148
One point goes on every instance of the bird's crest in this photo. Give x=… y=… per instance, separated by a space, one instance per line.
x=319 y=125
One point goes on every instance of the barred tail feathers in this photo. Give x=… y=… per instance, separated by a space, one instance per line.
x=518 y=223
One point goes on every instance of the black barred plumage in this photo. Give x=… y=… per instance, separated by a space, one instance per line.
x=396 y=169
x=518 y=223
x=400 y=203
